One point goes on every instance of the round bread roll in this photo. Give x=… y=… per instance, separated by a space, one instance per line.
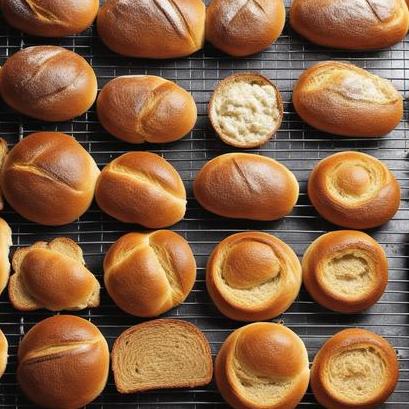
x=355 y=369
x=152 y=28
x=345 y=271
x=5 y=244
x=262 y=366
x=49 y=178
x=146 y=108
x=50 y=18
x=253 y=276
x=4 y=347
x=3 y=154
x=241 y=27
x=376 y=24
x=142 y=188
x=246 y=186
x=354 y=190
x=48 y=83
x=343 y=99
x=63 y=362
x=246 y=110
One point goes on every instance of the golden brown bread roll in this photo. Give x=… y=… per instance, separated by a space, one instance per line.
x=4 y=347
x=3 y=154
x=253 y=276
x=354 y=190
x=353 y=24
x=343 y=99
x=53 y=276
x=262 y=366
x=355 y=369
x=63 y=362
x=152 y=28
x=242 y=28
x=246 y=186
x=147 y=274
x=246 y=110
x=139 y=108
x=50 y=18
x=142 y=188
x=48 y=83
x=345 y=271
x=49 y=178
x=5 y=244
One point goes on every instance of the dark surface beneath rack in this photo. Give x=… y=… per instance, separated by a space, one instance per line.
x=296 y=145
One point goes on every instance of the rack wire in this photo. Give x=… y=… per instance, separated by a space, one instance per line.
x=296 y=145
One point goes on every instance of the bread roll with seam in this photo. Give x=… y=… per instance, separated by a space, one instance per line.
x=4 y=347
x=5 y=244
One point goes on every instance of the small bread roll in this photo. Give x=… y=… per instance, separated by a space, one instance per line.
x=147 y=274
x=53 y=276
x=4 y=347
x=146 y=108
x=246 y=186
x=3 y=154
x=354 y=190
x=152 y=28
x=246 y=110
x=345 y=271
x=356 y=369
x=343 y=99
x=253 y=276
x=142 y=188
x=5 y=244
x=262 y=366
x=49 y=178
x=50 y=18
x=63 y=362
x=48 y=83
x=241 y=27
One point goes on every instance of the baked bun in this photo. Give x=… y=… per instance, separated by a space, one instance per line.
x=354 y=190
x=152 y=28
x=49 y=178
x=142 y=188
x=3 y=154
x=161 y=354
x=345 y=271
x=50 y=18
x=48 y=83
x=246 y=110
x=343 y=99
x=53 y=276
x=253 y=276
x=146 y=108
x=63 y=362
x=355 y=369
x=242 y=28
x=4 y=347
x=262 y=366
x=147 y=274
x=5 y=244
x=246 y=186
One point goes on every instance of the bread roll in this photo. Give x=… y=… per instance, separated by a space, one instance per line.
x=50 y=18
x=246 y=110
x=253 y=276
x=241 y=27
x=152 y=28
x=345 y=271
x=3 y=154
x=246 y=186
x=49 y=178
x=342 y=99
x=5 y=244
x=147 y=274
x=354 y=369
x=142 y=188
x=4 y=346
x=63 y=362
x=354 y=190
x=262 y=366
x=146 y=108
x=53 y=276
x=161 y=354
x=48 y=83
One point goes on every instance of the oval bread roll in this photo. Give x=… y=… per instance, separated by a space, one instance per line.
x=343 y=99
x=4 y=347
x=246 y=186
x=3 y=154
x=356 y=369
x=5 y=244
x=146 y=108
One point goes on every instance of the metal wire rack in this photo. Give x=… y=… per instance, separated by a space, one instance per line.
x=296 y=145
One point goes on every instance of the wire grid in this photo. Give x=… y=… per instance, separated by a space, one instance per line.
x=296 y=145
